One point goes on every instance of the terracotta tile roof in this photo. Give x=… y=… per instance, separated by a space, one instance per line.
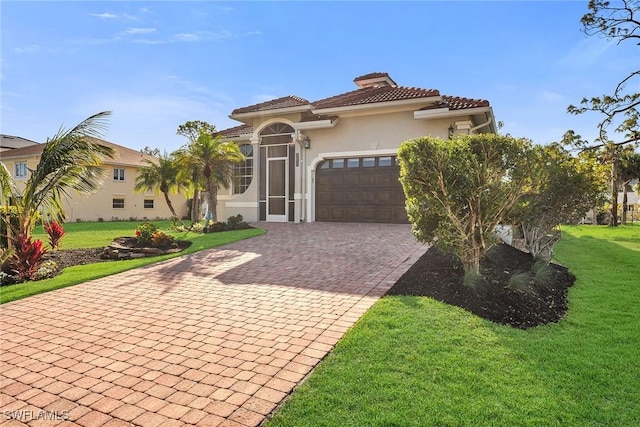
x=274 y=104
x=371 y=76
x=458 y=103
x=123 y=156
x=235 y=132
x=370 y=95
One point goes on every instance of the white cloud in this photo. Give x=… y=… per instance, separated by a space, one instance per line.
x=105 y=15
x=186 y=37
x=134 y=31
x=28 y=49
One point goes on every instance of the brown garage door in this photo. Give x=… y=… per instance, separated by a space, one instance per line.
x=364 y=189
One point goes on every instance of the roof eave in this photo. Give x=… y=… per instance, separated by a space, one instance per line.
x=316 y=124
x=377 y=105
x=270 y=112
x=446 y=112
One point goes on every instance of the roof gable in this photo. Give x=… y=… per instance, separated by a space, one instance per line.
x=123 y=156
x=275 y=104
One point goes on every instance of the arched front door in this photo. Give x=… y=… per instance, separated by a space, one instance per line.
x=276 y=177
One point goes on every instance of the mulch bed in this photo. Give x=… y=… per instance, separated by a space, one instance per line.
x=440 y=276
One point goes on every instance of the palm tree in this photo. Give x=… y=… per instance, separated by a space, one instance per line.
x=190 y=172
x=160 y=176
x=215 y=159
x=71 y=160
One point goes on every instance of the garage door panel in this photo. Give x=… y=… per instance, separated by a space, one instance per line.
x=360 y=194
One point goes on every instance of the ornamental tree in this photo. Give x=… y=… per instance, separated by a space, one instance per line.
x=458 y=190
x=562 y=189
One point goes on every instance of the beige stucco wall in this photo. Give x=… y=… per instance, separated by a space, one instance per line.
x=351 y=135
x=93 y=207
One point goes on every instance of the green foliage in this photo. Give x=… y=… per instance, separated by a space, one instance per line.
x=458 y=190
x=616 y=21
x=561 y=191
x=70 y=161
x=27 y=258
x=55 y=232
x=160 y=239
x=161 y=175
x=144 y=233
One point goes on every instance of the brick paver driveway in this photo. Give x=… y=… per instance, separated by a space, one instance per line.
x=220 y=337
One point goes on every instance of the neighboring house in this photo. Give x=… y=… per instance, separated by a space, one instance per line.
x=115 y=200
x=335 y=159
x=9 y=142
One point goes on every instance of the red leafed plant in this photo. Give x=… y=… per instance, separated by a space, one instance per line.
x=28 y=256
x=55 y=232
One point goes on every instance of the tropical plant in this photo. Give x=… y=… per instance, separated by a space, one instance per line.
x=71 y=160
x=457 y=191
x=55 y=232
x=160 y=176
x=144 y=233
x=28 y=256
x=213 y=158
x=191 y=167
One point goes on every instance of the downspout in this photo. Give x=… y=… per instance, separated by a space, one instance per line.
x=480 y=125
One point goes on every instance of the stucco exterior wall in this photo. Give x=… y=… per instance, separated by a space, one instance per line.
x=93 y=207
x=352 y=135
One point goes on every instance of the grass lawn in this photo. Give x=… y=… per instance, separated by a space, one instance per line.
x=100 y=234
x=413 y=361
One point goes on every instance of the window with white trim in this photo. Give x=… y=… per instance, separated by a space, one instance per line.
x=118 y=203
x=118 y=174
x=21 y=170
x=148 y=203
x=243 y=171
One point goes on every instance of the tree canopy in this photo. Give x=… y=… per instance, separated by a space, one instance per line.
x=618 y=21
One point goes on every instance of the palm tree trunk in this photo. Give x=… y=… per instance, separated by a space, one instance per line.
x=170 y=205
x=212 y=197
x=195 y=206
x=625 y=203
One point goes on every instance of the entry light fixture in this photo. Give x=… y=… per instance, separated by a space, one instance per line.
x=450 y=131
x=306 y=142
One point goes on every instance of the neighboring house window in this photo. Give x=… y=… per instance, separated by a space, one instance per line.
x=148 y=203
x=21 y=170
x=243 y=172
x=118 y=204
x=118 y=174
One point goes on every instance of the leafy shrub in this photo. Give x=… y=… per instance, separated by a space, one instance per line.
x=47 y=270
x=11 y=216
x=28 y=256
x=237 y=223
x=161 y=240
x=55 y=232
x=144 y=233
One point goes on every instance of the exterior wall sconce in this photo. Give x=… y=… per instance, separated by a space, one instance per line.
x=450 y=131
x=306 y=142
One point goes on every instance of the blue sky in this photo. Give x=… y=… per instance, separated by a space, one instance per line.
x=159 y=64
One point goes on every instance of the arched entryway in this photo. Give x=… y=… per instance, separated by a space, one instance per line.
x=277 y=173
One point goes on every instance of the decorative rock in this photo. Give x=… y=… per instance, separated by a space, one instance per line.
x=125 y=248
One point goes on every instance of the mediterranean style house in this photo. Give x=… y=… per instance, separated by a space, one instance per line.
x=335 y=159
x=116 y=199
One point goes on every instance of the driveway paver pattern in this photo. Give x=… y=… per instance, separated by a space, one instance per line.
x=216 y=338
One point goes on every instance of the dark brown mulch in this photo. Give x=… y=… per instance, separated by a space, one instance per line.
x=71 y=257
x=441 y=276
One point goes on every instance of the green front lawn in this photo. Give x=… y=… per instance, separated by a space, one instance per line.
x=100 y=234
x=414 y=361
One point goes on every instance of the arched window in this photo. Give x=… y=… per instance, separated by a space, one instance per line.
x=243 y=171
